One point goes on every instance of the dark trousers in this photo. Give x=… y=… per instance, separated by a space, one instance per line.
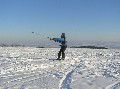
x=62 y=51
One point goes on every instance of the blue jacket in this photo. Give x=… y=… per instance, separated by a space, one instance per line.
x=61 y=40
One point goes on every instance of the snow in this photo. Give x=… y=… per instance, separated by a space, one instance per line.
x=30 y=68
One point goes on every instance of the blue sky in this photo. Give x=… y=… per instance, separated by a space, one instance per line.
x=81 y=20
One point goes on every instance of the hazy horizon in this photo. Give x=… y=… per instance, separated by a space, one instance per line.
x=83 y=21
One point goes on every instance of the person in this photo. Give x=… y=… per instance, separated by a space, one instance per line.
x=63 y=45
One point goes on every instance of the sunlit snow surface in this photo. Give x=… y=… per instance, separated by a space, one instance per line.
x=30 y=68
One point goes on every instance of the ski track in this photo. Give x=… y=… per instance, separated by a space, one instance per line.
x=30 y=68
x=66 y=80
x=115 y=85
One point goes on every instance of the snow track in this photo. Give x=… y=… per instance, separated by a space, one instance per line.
x=66 y=80
x=115 y=85
x=30 y=68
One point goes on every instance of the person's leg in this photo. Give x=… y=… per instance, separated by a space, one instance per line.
x=63 y=55
x=63 y=52
x=59 y=54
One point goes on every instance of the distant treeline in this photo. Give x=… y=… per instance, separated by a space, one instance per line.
x=18 y=45
x=40 y=47
x=12 y=45
x=91 y=47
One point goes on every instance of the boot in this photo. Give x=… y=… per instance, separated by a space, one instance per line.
x=58 y=59
x=62 y=58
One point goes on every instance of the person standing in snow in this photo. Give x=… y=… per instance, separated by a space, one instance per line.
x=63 y=45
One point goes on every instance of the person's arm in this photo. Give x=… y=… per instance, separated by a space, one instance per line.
x=60 y=40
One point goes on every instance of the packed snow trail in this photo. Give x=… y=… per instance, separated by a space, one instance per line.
x=66 y=80
x=115 y=85
x=30 y=68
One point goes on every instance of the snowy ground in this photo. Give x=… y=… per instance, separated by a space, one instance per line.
x=30 y=68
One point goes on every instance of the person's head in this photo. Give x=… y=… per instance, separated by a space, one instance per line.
x=63 y=35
